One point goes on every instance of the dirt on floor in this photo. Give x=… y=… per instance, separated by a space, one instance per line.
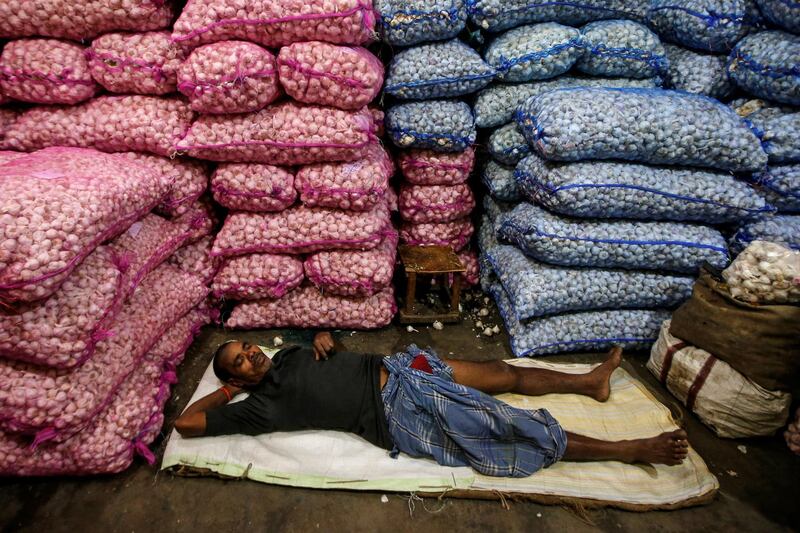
x=759 y=478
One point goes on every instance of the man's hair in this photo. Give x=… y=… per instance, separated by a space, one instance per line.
x=221 y=373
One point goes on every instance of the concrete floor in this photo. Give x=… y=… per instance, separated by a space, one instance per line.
x=759 y=488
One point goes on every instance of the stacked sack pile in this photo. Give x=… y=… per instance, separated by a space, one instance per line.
x=625 y=187
x=100 y=297
x=105 y=263
x=731 y=353
x=721 y=48
x=326 y=260
x=434 y=132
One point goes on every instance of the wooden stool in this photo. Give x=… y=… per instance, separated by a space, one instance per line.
x=432 y=261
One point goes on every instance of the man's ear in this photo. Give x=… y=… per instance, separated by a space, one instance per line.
x=236 y=383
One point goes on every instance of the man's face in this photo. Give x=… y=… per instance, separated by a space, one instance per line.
x=245 y=362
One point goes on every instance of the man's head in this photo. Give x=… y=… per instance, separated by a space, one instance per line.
x=240 y=364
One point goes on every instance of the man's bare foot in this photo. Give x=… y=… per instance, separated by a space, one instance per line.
x=600 y=378
x=669 y=448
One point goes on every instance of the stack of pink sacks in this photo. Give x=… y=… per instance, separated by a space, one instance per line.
x=436 y=201
x=106 y=258
x=100 y=296
x=282 y=91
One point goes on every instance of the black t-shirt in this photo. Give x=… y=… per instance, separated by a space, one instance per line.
x=341 y=393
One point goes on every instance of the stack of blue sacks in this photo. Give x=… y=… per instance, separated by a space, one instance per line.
x=614 y=168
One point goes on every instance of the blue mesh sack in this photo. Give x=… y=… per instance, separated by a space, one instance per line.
x=647 y=125
x=507 y=144
x=782 y=13
x=611 y=189
x=780 y=185
x=499 y=179
x=485 y=274
x=499 y=15
x=705 y=25
x=440 y=125
x=779 y=135
x=767 y=65
x=776 y=126
x=537 y=289
x=494 y=208
x=535 y=52
x=587 y=331
x=781 y=229
x=437 y=70
x=408 y=22
x=621 y=48
x=495 y=105
x=613 y=244
x=697 y=73
x=486 y=241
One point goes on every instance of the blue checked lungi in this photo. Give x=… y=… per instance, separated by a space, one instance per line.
x=430 y=415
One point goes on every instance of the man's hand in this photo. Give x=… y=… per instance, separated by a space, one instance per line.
x=323 y=345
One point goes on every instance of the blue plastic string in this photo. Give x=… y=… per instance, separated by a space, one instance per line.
x=751 y=64
x=554 y=190
x=392 y=89
x=655 y=61
x=536 y=231
x=507 y=64
x=473 y=10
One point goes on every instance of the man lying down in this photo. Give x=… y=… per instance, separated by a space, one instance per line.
x=415 y=403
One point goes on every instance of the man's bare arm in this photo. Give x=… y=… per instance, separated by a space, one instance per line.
x=192 y=423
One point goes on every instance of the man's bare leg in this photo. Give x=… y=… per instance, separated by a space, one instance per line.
x=669 y=448
x=494 y=377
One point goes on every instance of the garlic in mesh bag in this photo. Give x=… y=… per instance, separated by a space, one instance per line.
x=765 y=272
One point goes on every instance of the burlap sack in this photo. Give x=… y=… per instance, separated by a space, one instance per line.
x=760 y=341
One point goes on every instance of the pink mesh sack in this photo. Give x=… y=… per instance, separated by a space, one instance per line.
x=322 y=73
x=353 y=272
x=253 y=187
x=108 y=443
x=45 y=71
x=55 y=404
x=172 y=346
x=254 y=276
x=6 y=156
x=299 y=230
x=202 y=217
x=426 y=167
x=275 y=23
x=435 y=203
x=136 y=63
x=196 y=259
x=57 y=205
x=189 y=181
x=7 y=118
x=229 y=77
x=391 y=200
x=109 y=123
x=281 y=134
x=63 y=330
x=378 y=117
x=129 y=423
x=357 y=186
x=455 y=234
x=470 y=260
x=79 y=20
x=148 y=243
x=307 y=307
